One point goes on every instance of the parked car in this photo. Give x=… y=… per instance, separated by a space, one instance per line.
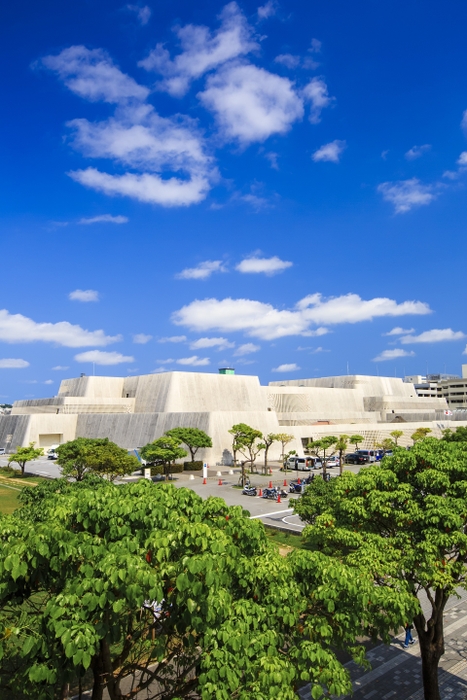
x=355 y=458
x=370 y=455
x=332 y=461
x=2 y=450
x=300 y=463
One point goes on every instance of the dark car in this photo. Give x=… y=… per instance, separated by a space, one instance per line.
x=355 y=458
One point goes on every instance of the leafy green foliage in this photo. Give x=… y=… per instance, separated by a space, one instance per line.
x=246 y=441
x=74 y=456
x=323 y=445
x=111 y=461
x=193 y=438
x=81 y=573
x=420 y=434
x=458 y=435
x=163 y=452
x=23 y=455
x=404 y=521
x=356 y=440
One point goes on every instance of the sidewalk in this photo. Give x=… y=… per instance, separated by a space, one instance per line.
x=397 y=672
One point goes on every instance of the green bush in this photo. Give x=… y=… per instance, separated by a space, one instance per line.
x=155 y=470
x=193 y=466
x=159 y=469
x=176 y=468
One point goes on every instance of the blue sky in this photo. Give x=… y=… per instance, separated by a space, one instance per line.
x=279 y=187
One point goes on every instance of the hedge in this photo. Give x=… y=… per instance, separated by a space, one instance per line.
x=159 y=469
x=193 y=466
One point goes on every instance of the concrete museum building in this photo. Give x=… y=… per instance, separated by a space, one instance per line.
x=133 y=411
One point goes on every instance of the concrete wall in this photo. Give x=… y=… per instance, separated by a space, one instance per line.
x=366 y=384
x=93 y=387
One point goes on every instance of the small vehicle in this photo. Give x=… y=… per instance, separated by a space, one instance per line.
x=295 y=487
x=51 y=454
x=274 y=493
x=249 y=490
x=2 y=450
x=332 y=461
x=355 y=458
x=369 y=454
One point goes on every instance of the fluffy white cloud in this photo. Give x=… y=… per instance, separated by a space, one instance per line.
x=288 y=60
x=330 y=152
x=393 y=355
x=202 y=50
x=59 y=368
x=91 y=74
x=194 y=361
x=291 y=367
x=202 y=271
x=246 y=349
x=141 y=338
x=84 y=295
x=316 y=92
x=143 y=13
x=250 y=103
x=262 y=320
x=462 y=160
x=407 y=194
x=267 y=10
x=437 y=335
x=268 y=266
x=219 y=343
x=11 y=363
x=49 y=381
x=100 y=357
x=173 y=339
x=400 y=331
x=417 y=151
x=105 y=218
x=15 y=328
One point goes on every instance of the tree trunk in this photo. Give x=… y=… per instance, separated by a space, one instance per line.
x=431 y=640
x=266 y=459
x=22 y=465
x=97 y=665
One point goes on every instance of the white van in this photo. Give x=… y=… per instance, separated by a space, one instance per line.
x=303 y=463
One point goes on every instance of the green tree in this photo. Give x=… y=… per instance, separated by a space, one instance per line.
x=458 y=435
x=74 y=456
x=186 y=593
x=396 y=434
x=23 y=455
x=163 y=452
x=245 y=441
x=284 y=439
x=193 y=438
x=420 y=434
x=323 y=445
x=341 y=446
x=267 y=441
x=111 y=461
x=356 y=440
x=405 y=521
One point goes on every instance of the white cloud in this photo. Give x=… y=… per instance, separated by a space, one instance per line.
x=268 y=266
x=464 y=120
x=272 y=157
x=406 y=194
x=99 y=357
x=173 y=339
x=417 y=151
x=202 y=51
x=141 y=338
x=316 y=45
x=219 y=343
x=11 y=363
x=250 y=103
x=437 y=335
x=84 y=295
x=462 y=160
x=194 y=361
x=202 y=271
x=262 y=320
x=267 y=10
x=316 y=92
x=105 y=218
x=329 y=152
x=49 y=381
x=392 y=355
x=15 y=328
x=60 y=368
x=91 y=74
x=246 y=349
x=143 y=13
x=291 y=367
x=169 y=361
x=288 y=60
x=400 y=331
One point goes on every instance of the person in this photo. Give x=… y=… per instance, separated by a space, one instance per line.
x=408 y=636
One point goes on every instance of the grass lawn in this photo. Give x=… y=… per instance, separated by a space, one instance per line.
x=11 y=483
x=285 y=539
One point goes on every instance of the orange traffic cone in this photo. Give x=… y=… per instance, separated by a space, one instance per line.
x=279 y=497
x=270 y=470
x=204 y=481
x=220 y=482
x=270 y=484
x=285 y=482
x=260 y=493
x=298 y=481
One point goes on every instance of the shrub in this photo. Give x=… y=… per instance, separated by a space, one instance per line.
x=193 y=466
x=176 y=468
x=155 y=470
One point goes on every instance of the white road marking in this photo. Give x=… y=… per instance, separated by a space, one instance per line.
x=275 y=512
x=285 y=520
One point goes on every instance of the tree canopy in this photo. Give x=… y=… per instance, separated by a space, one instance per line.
x=185 y=597
x=246 y=441
x=193 y=438
x=163 y=452
x=82 y=455
x=23 y=455
x=405 y=521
